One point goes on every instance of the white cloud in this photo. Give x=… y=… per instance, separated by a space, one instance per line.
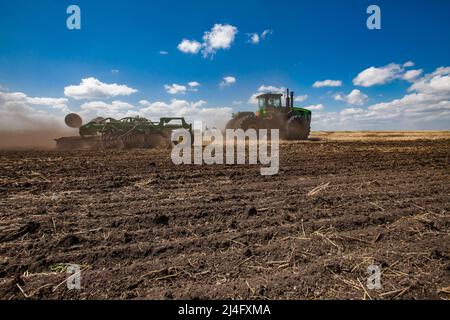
x=356 y=97
x=316 y=107
x=103 y=106
x=301 y=98
x=192 y=111
x=266 y=33
x=411 y=75
x=273 y=89
x=193 y=86
x=327 y=83
x=175 y=88
x=425 y=107
x=408 y=64
x=252 y=99
x=436 y=83
x=115 y=109
x=189 y=46
x=91 y=88
x=163 y=53
x=253 y=38
x=377 y=76
x=221 y=36
x=115 y=71
x=19 y=97
x=351 y=111
x=228 y=81
x=21 y=112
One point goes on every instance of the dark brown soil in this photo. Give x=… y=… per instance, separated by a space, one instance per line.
x=141 y=227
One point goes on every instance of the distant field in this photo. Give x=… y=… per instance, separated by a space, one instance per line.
x=380 y=135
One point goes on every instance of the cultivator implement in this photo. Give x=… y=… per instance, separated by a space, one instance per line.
x=129 y=132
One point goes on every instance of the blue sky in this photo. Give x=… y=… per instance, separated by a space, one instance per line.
x=306 y=41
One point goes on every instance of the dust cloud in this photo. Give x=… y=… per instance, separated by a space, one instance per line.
x=33 y=139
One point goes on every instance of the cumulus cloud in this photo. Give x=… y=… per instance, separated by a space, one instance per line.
x=301 y=98
x=228 y=81
x=192 y=111
x=175 y=88
x=408 y=64
x=221 y=36
x=377 y=76
x=91 y=88
x=327 y=83
x=426 y=106
x=193 y=86
x=115 y=109
x=351 y=111
x=411 y=75
x=18 y=111
x=436 y=83
x=356 y=97
x=272 y=89
x=189 y=46
x=315 y=107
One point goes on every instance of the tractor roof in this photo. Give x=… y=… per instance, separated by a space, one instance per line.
x=270 y=95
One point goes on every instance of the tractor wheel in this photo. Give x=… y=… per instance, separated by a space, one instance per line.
x=231 y=124
x=248 y=122
x=297 y=128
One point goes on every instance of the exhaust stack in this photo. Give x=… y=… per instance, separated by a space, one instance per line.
x=288 y=101
x=292 y=99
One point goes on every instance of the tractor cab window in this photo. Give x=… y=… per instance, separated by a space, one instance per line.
x=261 y=102
x=274 y=102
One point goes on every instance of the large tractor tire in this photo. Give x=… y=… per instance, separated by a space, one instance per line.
x=297 y=128
x=249 y=121
x=235 y=121
x=232 y=123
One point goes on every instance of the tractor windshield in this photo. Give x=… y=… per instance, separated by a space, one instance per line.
x=271 y=102
x=274 y=102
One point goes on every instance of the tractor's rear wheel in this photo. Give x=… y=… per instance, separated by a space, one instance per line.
x=297 y=128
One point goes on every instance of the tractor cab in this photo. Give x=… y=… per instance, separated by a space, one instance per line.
x=269 y=100
x=268 y=103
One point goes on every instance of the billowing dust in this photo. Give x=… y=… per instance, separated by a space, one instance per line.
x=33 y=139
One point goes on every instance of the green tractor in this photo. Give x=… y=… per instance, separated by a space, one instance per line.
x=293 y=123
